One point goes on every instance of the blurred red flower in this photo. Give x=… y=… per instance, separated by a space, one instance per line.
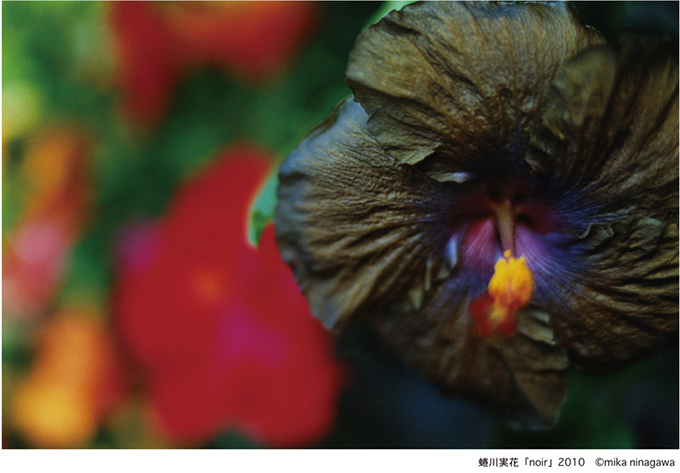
x=55 y=190
x=158 y=42
x=222 y=332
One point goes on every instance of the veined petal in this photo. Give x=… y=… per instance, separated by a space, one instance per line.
x=464 y=80
x=358 y=228
x=624 y=302
x=522 y=378
x=608 y=146
x=608 y=141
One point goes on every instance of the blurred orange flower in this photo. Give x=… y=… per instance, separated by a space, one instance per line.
x=55 y=192
x=158 y=42
x=74 y=383
x=223 y=333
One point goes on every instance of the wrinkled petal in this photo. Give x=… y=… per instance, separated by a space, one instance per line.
x=366 y=235
x=370 y=205
x=357 y=228
x=462 y=79
x=624 y=303
x=522 y=379
x=608 y=143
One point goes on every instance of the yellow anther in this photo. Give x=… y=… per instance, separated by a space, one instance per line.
x=512 y=284
x=509 y=290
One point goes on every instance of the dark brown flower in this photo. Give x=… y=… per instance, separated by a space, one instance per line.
x=500 y=199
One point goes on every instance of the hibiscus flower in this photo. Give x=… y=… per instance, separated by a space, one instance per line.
x=219 y=328
x=499 y=199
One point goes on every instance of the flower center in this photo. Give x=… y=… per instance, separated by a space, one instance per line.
x=500 y=225
x=492 y=218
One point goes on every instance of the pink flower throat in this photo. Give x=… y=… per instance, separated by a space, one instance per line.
x=497 y=217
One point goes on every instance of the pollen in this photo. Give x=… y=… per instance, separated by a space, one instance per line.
x=509 y=291
x=512 y=283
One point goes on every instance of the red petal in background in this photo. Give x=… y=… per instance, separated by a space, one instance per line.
x=158 y=42
x=224 y=334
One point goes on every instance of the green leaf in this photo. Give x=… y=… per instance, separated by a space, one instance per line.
x=386 y=8
x=263 y=209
